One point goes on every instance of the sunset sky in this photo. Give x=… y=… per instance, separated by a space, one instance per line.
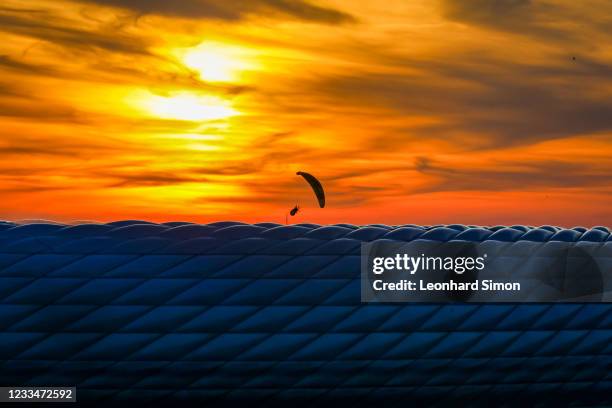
x=451 y=111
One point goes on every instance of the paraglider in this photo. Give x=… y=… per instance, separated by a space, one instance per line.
x=316 y=187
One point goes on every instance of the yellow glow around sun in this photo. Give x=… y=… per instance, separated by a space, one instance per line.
x=217 y=62
x=187 y=106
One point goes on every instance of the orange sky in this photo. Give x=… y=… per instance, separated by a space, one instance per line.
x=451 y=111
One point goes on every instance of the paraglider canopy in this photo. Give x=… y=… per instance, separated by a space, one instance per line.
x=315 y=185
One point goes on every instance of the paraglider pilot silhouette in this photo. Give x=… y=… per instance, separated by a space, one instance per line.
x=317 y=188
x=294 y=210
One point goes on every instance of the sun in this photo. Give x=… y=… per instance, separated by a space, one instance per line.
x=217 y=62
x=188 y=106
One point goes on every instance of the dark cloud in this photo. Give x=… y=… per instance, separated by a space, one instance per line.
x=523 y=17
x=151 y=179
x=566 y=23
x=19 y=108
x=488 y=12
x=496 y=103
x=28 y=146
x=29 y=150
x=54 y=30
x=368 y=171
x=11 y=90
x=8 y=62
x=29 y=189
x=230 y=169
x=142 y=177
x=231 y=9
x=514 y=176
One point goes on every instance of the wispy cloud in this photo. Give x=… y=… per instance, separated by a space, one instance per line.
x=514 y=175
x=232 y=10
x=49 y=27
x=502 y=103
